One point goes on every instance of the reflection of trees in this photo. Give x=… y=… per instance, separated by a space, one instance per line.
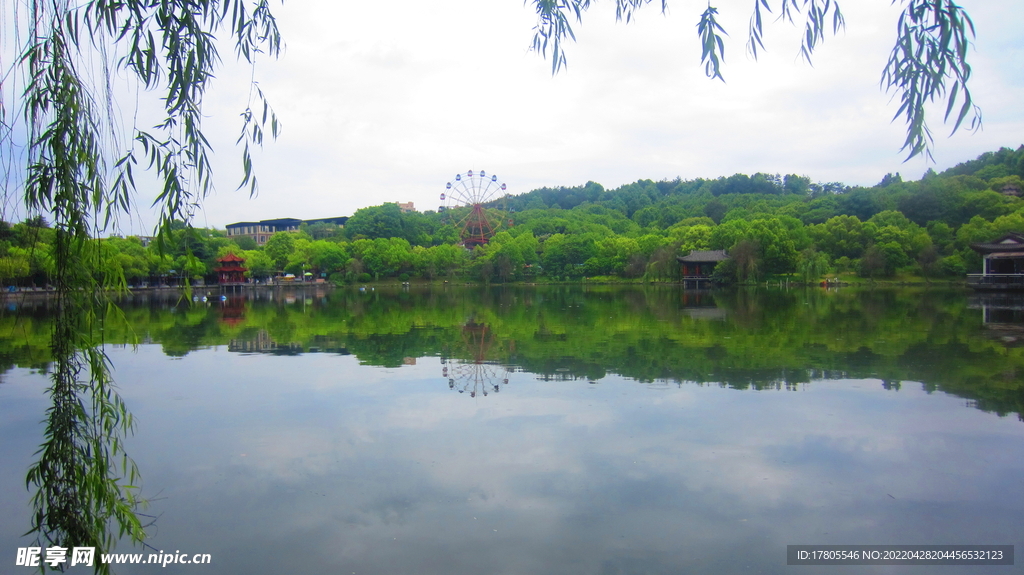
x=746 y=339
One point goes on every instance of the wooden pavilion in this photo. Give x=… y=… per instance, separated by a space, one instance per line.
x=230 y=271
x=1003 y=264
x=698 y=265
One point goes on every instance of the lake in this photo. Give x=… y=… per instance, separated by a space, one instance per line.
x=570 y=430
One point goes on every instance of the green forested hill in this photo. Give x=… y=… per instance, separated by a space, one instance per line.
x=953 y=197
x=772 y=224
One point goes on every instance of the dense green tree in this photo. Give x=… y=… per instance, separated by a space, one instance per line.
x=300 y=260
x=565 y=255
x=715 y=210
x=928 y=261
x=745 y=255
x=891 y=218
x=922 y=207
x=942 y=237
x=985 y=203
x=383 y=221
x=420 y=228
x=383 y=257
x=279 y=248
x=794 y=184
x=661 y=263
x=841 y=236
x=321 y=230
x=612 y=257
x=327 y=257
x=1004 y=160
x=696 y=236
x=13 y=268
x=445 y=260
x=862 y=203
x=131 y=257
x=873 y=263
x=812 y=264
x=446 y=234
x=258 y=264
x=505 y=257
x=244 y=242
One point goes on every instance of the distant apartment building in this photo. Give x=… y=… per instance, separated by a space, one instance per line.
x=406 y=207
x=261 y=231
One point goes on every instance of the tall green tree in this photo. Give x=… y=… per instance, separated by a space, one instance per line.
x=258 y=264
x=383 y=221
x=279 y=248
x=746 y=255
x=812 y=264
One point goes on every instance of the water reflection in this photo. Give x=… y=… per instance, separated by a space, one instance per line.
x=475 y=377
x=1003 y=316
x=261 y=342
x=642 y=431
x=232 y=311
x=739 y=339
x=83 y=482
x=488 y=370
x=701 y=304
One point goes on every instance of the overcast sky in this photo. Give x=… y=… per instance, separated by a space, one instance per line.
x=387 y=101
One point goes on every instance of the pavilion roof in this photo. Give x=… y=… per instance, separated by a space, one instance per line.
x=1010 y=243
x=704 y=256
x=230 y=258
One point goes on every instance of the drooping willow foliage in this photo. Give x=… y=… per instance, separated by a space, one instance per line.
x=928 y=61
x=70 y=152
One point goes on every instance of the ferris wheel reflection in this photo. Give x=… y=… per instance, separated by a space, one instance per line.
x=484 y=373
x=474 y=378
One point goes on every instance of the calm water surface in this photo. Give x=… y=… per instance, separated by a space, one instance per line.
x=561 y=430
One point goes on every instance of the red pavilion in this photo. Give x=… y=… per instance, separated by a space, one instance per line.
x=230 y=270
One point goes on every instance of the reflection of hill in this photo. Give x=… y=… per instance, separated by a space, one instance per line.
x=740 y=339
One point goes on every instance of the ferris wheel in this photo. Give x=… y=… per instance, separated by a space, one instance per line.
x=475 y=205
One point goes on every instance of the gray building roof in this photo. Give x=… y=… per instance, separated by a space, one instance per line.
x=704 y=256
x=1008 y=243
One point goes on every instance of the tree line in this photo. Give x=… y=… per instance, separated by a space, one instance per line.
x=771 y=225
